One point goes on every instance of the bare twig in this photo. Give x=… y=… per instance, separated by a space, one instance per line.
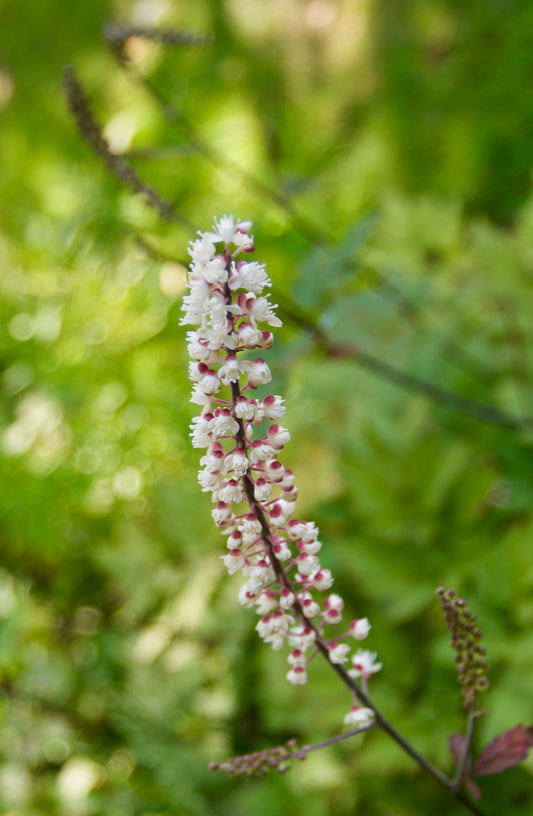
x=441 y=396
x=90 y=130
x=178 y=120
x=117 y=34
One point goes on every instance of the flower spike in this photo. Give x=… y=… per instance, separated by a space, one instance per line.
x=254 y=494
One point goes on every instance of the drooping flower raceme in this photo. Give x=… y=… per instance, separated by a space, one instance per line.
x=254 y=494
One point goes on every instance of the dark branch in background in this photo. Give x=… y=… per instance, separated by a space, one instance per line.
x=116 y=35
x=92 y=133
x=447 y=399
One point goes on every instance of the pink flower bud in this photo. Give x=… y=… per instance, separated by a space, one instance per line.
x=267 y=340
x=274 y=470
x=359 y=629
x=278 y=436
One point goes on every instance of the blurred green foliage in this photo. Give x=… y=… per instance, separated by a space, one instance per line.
x=384 y=154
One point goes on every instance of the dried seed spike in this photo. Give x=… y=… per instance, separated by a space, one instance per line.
x=470 y=656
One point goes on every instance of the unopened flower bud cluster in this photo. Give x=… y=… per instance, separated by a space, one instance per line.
x=470 y=656
x=259 y=763
x=253 y=493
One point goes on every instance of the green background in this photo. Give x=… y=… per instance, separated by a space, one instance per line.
x=384 y=152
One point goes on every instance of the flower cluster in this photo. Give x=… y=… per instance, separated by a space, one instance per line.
x=254 y=494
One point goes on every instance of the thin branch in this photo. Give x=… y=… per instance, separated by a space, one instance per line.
x=117 y=34
x=90 y=130
x=306 y=749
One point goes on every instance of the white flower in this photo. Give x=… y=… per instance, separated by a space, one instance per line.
x=209 y=480
x=297 y=658
x=309 y=547
x=281 y=551
x=214 y=271
x=262 y=490
x=222 y=512
x=237 y=462
x=234 y=561
x=287 y=482
x=359 y=717
x=304 y=530
x=308 y=604
x=258 y=373
x=210 y=384
x=338 y=652
x=261 y=311
x=223 y=424
x=274 y=625
x=307 y=564
x=286 y=598
x=224 y=229
x=249 y=593
x=201 y=433
x=202 y=249
x=321 y=580
x=198 y=348
x=260 y=572
x=231 y=370
x=364 y=664
x=199 y=398
x=278 y=436
x=231 y=492
x=274 y=470
x=281 y=512
x=273 y=407
x=226 y=304
x=302 y=636
x=297 y=676
x=250 y=527
x=244 y=409
x=261 y=452
x=248 y=336
x=251 y=276
x=267 y=603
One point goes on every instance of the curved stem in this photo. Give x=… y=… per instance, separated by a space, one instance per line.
x=321 y=644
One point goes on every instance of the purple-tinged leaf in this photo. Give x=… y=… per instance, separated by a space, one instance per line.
x=504 y=751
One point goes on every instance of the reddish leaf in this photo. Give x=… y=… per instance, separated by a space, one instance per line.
x=504 y=751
